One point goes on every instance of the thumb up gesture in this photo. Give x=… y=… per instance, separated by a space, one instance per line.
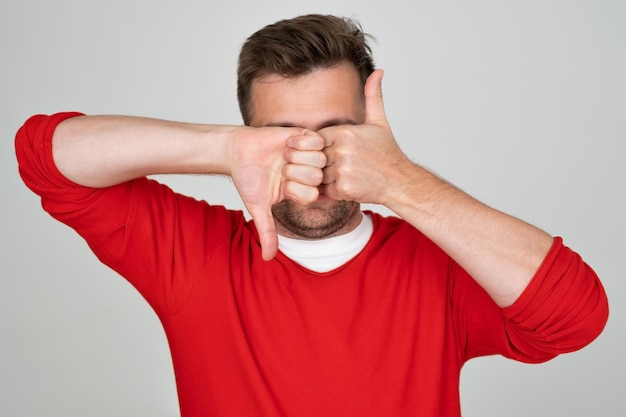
x=363 y=161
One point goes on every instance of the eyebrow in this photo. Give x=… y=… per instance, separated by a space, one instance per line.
x=328 y=123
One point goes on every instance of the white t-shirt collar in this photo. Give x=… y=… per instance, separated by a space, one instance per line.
x=323 y=255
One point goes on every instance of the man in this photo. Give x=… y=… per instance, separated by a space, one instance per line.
x=315 y=308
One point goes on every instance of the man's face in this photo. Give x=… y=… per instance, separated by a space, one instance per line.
x=326 y=97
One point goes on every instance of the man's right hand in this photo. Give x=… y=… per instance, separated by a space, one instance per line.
x=267 y=164
x=270 y=164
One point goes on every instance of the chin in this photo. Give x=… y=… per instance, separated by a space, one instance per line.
x=324 y=218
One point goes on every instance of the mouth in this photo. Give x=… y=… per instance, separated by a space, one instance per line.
x=322 y=193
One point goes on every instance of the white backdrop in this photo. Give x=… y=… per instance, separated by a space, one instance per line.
x=522 y=104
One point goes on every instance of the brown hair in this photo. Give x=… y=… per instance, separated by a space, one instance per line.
x=297 y=46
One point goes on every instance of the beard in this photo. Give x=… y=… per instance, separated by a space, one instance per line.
x=314 y=221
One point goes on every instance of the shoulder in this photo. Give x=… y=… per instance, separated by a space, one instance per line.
x=391 y=225
x=398 y=238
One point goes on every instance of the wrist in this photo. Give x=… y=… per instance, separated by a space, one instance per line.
x=416 y=190
x=218 y=148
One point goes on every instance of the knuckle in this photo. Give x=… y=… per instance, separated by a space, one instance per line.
x=317 y=177
x=344 y=188
x=303 y=194
x=322 y=160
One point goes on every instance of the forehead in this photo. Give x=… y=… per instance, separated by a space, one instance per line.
x=324 y=97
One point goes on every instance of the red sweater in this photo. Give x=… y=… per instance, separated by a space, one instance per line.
x=384 y=335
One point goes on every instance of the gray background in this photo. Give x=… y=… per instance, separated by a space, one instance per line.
x=522 y=104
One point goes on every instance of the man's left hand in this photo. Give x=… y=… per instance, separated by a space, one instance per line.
x=364 y=161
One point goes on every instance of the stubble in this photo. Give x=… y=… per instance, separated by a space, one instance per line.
x=314 y=221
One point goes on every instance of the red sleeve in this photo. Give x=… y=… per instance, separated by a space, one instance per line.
x=563 y=309
x=155 y=238
x=33 y=147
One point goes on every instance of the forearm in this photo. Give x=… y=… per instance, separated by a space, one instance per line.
x=100 y=151
x=365 y=164
x=501 y=252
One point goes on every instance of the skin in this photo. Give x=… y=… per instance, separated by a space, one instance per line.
x=318 y=145
x=326 y=97
x=365 y=164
